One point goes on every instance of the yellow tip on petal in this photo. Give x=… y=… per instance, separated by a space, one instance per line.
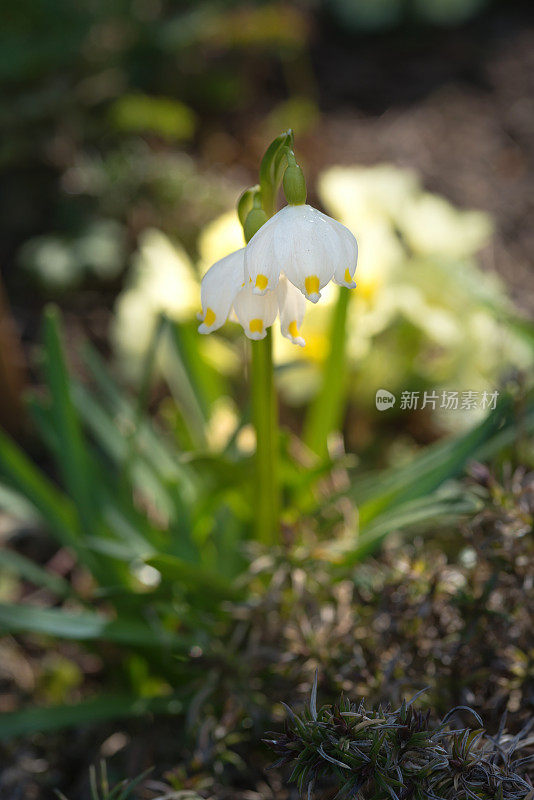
x=348 y=276
x=312 y=284
x=256 y=325
x=261 y=282
x=210 y=317
x=293 y=330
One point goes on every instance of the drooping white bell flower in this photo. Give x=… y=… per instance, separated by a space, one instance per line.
x=224 y=287
x=219 y=288
x=255 y=314
x=306 y=246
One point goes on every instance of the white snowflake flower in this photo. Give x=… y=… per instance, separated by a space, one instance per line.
x=224 y=288
x=306 y=246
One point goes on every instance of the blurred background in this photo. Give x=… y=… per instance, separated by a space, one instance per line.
x=130 y=129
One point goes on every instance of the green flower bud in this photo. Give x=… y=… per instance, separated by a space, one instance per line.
x=256 y=217
x=245 y=203
x=294 y=184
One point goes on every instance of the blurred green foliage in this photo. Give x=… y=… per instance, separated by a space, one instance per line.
x=159 y=526
x=155 y=514
x=59 y=263
x=137 y=113
x=378 y=15
x=84 y=81
x=447 y=611
x=98 y=96
x=102 y=789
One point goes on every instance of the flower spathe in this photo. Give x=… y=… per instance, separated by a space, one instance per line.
x=223 y=288
x=306 y=246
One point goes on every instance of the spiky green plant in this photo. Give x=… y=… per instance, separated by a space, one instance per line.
x=373 y=754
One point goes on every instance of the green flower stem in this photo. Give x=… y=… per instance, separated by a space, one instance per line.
x=265 y=415
x=325 y=414
x=255 y=206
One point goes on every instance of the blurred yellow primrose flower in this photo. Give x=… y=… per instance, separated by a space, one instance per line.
x=290 y=258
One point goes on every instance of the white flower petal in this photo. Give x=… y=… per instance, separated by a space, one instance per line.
x=346 y=257
x=302 y=243
x=292 y=307
x=256 y=312
x=261 y=268
x=218 y=289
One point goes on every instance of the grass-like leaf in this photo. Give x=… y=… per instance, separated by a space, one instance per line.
x=73 y=460
x=445 y=505
x=31 y=571
x=52 y=505
x=436 y=464
x=194 y=577
x=87 y=626
x=104 y=707
x=325 y=413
